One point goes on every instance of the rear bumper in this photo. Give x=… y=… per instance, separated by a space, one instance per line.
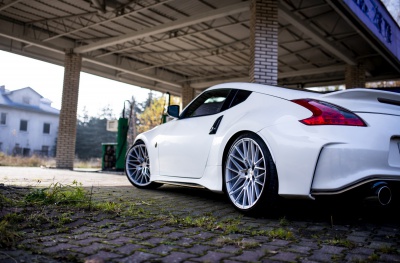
x=373 y=154
x=328 y=160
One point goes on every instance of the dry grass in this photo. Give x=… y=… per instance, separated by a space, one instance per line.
x=33 y=161
x=92 y=163
x=37 y=161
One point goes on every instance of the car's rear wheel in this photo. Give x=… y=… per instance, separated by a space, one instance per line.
x=250 y=178
x=137 y=166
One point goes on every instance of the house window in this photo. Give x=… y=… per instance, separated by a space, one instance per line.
x=26 y=100
x=23 y=125
x=45 y=150
x=3 y=118
x=17 y=150
x=46 y=128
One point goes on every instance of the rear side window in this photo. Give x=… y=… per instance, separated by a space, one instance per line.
x=241 y=95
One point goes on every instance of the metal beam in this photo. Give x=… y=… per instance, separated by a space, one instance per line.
x=32 y=42
x=9 y=4
x=114 y=18
x=203 y=17
x=311 y=71
x=87 y=59
x=340 y=68
x=306 y=29
x=61 y=18
x=128 y=71
x=161 y=39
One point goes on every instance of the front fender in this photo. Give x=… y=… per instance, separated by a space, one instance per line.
x=150 y=140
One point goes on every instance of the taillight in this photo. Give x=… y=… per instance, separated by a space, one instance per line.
x=328 y=114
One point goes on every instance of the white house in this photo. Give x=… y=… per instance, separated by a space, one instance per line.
x=28 y=123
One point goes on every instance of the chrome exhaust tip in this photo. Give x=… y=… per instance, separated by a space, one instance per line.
x=381 y=191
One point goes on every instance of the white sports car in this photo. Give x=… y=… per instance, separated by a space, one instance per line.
x=257 y=143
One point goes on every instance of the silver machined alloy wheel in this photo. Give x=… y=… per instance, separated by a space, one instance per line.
x=245 y=173
x=137 y=165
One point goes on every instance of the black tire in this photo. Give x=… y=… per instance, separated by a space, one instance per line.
x=137 y=166
x=249 y=175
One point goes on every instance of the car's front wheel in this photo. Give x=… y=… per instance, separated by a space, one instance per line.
x=137 y=166
x=250 y=178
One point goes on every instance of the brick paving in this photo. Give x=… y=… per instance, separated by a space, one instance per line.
x=165 y=225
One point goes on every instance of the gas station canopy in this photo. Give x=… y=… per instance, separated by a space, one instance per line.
x=161 y=44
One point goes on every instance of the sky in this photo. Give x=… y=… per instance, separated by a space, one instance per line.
x=17 y=72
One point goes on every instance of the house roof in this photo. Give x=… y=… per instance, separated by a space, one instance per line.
x=22 y=89
x=43 y=106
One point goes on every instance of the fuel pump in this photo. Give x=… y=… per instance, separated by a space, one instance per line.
x=122 y=135
x=114 y=152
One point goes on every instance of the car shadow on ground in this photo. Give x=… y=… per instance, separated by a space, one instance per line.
x=338 y=210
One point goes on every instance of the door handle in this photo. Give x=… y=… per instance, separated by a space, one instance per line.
x=215 y=126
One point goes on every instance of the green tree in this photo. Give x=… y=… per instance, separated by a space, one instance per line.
x=152 y=115
x=91 y=133
x=106 y=113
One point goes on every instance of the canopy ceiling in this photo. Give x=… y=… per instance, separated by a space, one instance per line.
x=160 y=44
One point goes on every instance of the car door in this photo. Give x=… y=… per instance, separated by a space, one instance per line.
x=185 y=143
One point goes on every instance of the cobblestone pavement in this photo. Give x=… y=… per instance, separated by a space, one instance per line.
x=177 y=224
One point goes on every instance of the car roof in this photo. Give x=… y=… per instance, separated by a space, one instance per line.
x=281 y=92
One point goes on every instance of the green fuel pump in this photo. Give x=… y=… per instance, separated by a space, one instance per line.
x=114 y=153
x=122 y=134
x=121 y=143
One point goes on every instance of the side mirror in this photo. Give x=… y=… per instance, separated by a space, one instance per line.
x=173 y=111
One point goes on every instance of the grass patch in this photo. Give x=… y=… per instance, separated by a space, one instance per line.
x=9 y=235
x=242 y=243
x=45 y=208
x=341 y=242
x=386 y=250
x=4 y=201
x=109 y=207
x=374 y=257
x=280 y=233
x=65 y=218
x=208 y=222
x=53 y=209
x=283 y=222
x=58 y=194
x=230 y=225
x=8 y=232
x=136 y=211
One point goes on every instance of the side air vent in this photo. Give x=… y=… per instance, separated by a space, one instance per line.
x=389 y=101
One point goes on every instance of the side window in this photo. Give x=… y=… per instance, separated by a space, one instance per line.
x=46 y=128
x=23 y=125
x=240 y=96
x=3 y=118
x=208 y=103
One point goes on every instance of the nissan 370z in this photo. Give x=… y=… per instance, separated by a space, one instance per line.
x=257 y=143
